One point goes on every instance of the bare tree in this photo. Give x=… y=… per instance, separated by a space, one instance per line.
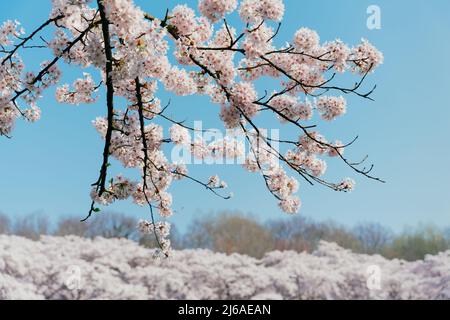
x=32 y=226
x=5 y=224
x=71 y=226
x=230 y=233
x=373 y=237
x=298 y=234
x=112 y=225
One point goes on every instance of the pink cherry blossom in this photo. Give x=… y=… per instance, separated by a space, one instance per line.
x=215 y=10
x=179 y=135
x=83 y=90
x=120 y=269
x=130 y=55
x=331 y=107
x=306 y=40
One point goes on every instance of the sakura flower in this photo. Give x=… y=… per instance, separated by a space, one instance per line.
x=306 y=40
x=215 y=10
x=290 y=205
x=145 y=227
x=347 y=185
x=82 y=93
x=331 y=107
x=33 y=114
x=179 y=81
x=179 y=135
x=366 y=57
x=337 y=150
x=254 y=11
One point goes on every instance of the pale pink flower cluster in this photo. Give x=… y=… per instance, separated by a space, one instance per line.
x=284 y=187
x=180 y=82
x=338 y=150
x=258 y=42
x=215 y=10
x=59 y=42
x=126 y=147
x=179 y=135
x=120 y=188
x=33 y=114
x=305 y=40
x=155 y=193
x=227 y=148
x=33 y=90
x=216 y=182
x=243 y=96
x=265 y=160
x=126 y=16
x=118 y=269
x=162 y=231
x=75 y=12
x=367 y=58
x=305 y=156
x=220 y=149
x=183 y=18
x=221 y=63
x=36 y=88
x=331 y=107
x=261 y=159
x=290 y=205
x=9 y=30
x=313 y=143
x=347 y=185
x=82 y=92
x=10 y=82
x=339 y=53
x=291 y=109
x=254 y=11
x=8 y=116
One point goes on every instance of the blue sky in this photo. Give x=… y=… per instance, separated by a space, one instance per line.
x=48 y=167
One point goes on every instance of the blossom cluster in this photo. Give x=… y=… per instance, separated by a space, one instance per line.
x=161 y=230
x=254 y=11
x=331 y=107
x=81 y=94
x=212 y=58
x=9 y=30
x=119 y=269
x=215 y=10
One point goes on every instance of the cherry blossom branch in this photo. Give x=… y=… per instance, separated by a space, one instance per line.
x=322 y=86
x=30 y=37
x=131 y=51
x=365 y=172
x=228 y=95
x=52 y=63
x=179 y=123
x=100 y=184
x=146 y=160
x=206 y=185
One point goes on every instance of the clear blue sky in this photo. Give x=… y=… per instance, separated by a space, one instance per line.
x=49 y=166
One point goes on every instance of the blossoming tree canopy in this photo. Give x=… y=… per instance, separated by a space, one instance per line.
x=129 y=47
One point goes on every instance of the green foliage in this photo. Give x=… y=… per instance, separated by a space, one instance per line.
x=229 y=233
x=415 y=244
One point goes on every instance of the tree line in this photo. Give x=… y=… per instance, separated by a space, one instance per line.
x=234 y=232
